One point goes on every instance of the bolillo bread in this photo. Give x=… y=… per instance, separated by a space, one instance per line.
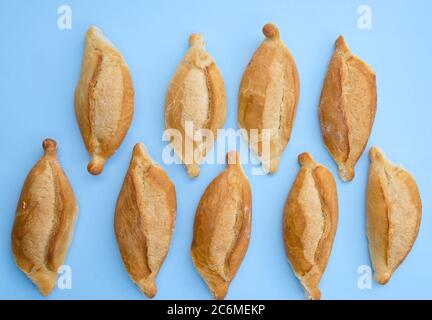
x=393 y=207
x=104 y=99
x=45 y=219
x=310 y=222
x=144 y=219
x=268 y=98
x=347 y=108
x=222 y=227
x=196 y=102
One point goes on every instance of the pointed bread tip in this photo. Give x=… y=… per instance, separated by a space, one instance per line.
x=376 y=154
x=44 y=279
x=50 y=146
x=140 y=149
x=93 y=30
x=341 y=44
x=274 y=165
x=196 y=40
x=148 y=286
x=220 y=291
x=305 y=158
x=346 y=173
x=96 y=165
x=193 y=170
x=233 y=158
x=271 y=31
x=382 y=277
x=314 y=294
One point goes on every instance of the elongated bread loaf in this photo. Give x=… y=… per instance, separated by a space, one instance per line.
x=268 y=98
x=222 y=227
x=104 y=99
x=347 y=108
x=393 y=214
x=144 y=219
x=310 y=222
x=45 y=218
x=196 y=104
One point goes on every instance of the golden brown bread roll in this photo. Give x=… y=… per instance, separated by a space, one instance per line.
x=104 y=99
x=45 y=218
x=268 y=98
x=144 y=219
x=196 y=99
x=393 y=214
x=222 y=227
x=347 y=108
x=310 y=222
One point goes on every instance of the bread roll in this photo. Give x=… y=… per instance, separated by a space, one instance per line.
x=347 y=108
x=310 y=222
x=222 y=227
x=104 y=99
x=144 y=219
x=45 y=219
x=268 y=98
x=196 y=101
x=393 y=214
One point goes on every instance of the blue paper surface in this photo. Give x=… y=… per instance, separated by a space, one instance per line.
x=39 y=69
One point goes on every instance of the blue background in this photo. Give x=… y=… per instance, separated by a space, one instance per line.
x=39 y=68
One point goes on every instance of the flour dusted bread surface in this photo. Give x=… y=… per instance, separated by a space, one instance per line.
x=393 y=214
x=268 y=98
x=45 y=218
x=222 y=227
x=144 y=219
x=310 y=222
x=196 y=98
x=104 y=99
x=347 y=108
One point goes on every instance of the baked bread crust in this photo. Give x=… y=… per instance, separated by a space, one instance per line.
x=104 y=99
x=310 y=222
x=347 y=108
x=145 y=219
x=268 y=98
x=196 y=94
x=394 y=209
x=45 y=218
x=222 y=227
